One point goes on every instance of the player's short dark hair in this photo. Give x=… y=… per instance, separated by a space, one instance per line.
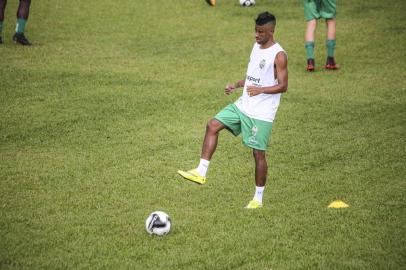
x=264 y=18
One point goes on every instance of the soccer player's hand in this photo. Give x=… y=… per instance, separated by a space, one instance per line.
x=254 y=90
x=229 y=89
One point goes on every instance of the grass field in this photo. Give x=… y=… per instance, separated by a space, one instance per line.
x=113 y=97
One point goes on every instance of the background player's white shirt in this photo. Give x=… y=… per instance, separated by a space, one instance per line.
x=260 y=72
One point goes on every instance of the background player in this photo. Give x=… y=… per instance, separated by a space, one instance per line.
x=314 y=10
x=22 y=16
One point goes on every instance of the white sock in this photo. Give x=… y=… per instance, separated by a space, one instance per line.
x=259 y=191
x=203 y=167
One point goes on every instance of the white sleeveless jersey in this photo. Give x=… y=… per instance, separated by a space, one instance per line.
x=260 y=72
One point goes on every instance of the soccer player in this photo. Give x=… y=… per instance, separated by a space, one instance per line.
x=22 y=17
x=314 y=10
x=253 y=113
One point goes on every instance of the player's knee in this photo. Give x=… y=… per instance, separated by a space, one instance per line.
x=213 y=126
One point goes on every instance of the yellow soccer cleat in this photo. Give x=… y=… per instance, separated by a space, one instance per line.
x=254 y=204
x=211 y=2
x=193 y=176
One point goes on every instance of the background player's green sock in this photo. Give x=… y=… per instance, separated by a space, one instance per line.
x=331 y=45
x=309 y=45
x=20 y=27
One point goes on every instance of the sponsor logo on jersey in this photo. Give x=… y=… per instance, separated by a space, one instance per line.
x=252 y=79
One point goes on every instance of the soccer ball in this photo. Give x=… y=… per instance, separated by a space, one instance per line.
x=247 y=3
x=158 y=223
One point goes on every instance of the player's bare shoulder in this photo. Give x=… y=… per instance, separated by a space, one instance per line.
x=281 y=59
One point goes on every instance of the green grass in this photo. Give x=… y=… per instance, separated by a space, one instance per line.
x=113 y=98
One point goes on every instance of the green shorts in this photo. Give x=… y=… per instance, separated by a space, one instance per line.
x=255 y=133
x=316 y=9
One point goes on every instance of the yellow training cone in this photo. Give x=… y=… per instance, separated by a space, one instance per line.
x=338 y=204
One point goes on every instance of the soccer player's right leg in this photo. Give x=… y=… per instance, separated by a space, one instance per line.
x=23 y=12
x=309 y=43
x=227 y=118
x=213 y=128
x=2 y=8
x=311 y=11
x=198 y=175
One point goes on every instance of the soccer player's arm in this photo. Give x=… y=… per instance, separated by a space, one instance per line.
x=231 y=87
x=281 y=63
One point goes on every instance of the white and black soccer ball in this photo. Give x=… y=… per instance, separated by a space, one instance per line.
x=247 y=3
x=158 y=223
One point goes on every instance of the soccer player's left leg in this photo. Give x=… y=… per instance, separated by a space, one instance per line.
x=261 y=169
x=256 y=135
x=331 y=44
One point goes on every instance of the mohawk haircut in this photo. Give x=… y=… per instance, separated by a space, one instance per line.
x=264 y=18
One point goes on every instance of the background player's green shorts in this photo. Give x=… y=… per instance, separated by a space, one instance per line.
x=316 y=9
x=255 y=133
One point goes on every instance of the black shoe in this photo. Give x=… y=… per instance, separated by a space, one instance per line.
x=19 y=38
x=331 y=64
x=310 y=65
